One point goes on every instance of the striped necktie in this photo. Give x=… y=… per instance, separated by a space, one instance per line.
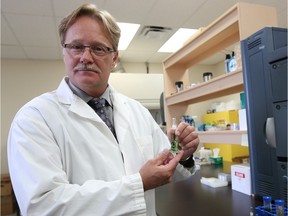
x=98 y=104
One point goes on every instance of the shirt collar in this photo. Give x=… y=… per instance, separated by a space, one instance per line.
x=84 y=96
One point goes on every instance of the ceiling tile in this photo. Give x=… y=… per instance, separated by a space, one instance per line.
x=34 y=30
x=7 y=36
x=145 y=45
x=129 y=10
x=13 y=52
x=171 y=13
x=208 y=12
x=33 y=23
x=63 y=8
x=278 y=4
x=30 y=7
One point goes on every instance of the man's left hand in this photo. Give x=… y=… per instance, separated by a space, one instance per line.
x=187 y=138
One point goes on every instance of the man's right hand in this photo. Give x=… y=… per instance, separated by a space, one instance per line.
x=159 y=170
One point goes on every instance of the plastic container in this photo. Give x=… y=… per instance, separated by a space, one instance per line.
x=232 y=63
x=179 y=86
x=213 y=182
x=225 y=177
x=267 y=203
x=227 y=59
x=242 y=100
x=279 y=207
x=216 y=160
x=207 y=76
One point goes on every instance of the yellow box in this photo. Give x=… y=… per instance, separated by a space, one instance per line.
x=221 y=117
x=229 y=151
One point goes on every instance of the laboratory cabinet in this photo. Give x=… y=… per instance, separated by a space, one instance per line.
x=239 y=22
x=265 y=81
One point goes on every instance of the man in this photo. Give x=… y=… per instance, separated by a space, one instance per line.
x=63 y=158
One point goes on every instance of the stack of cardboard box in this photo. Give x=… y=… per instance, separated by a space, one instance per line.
x=8 y=201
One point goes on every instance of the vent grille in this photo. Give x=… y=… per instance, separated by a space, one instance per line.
x=284 y=195
x=266 y=188
x=254 y=43
x=155 y=32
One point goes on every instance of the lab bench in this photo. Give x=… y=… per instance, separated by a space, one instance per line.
x=190 y=197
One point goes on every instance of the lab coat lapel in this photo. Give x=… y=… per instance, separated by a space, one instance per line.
x=81 y=108
x=77 y=105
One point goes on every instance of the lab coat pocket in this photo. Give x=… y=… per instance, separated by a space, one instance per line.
x=145 y=144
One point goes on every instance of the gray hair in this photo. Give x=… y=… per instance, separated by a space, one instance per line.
x=112 y=30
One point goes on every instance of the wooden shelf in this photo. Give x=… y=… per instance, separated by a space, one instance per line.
x=225 y=137
x=238 y=23
x=223 y=85
x=215 y=37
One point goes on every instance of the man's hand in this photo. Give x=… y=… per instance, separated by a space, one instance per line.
x=159 y=170
x=187 y=138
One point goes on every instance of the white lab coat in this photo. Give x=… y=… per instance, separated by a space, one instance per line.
x=63 y=159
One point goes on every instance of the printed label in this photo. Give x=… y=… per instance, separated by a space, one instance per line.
x=240 y=175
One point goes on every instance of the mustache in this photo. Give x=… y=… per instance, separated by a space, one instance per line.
x=87 y=67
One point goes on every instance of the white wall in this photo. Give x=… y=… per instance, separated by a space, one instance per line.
x=21 y=81
x=145 y=88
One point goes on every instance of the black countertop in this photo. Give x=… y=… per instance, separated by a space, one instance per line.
x=190 y=197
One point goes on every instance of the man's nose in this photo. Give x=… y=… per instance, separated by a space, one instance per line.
x=86 y=56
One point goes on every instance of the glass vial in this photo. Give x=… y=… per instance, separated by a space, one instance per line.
x=267 y=203
x=279 y=207
x=174 y=144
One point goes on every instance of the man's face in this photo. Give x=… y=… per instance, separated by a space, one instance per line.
x=86 y=70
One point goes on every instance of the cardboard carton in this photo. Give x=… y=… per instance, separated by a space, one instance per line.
x=241 y=178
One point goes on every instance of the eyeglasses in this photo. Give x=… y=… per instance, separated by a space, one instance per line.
x=97 y=49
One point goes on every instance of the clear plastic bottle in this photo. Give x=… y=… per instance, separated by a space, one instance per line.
x=267 y=203
x=279 y=207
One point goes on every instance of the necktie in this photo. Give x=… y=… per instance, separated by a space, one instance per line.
x=98 y=104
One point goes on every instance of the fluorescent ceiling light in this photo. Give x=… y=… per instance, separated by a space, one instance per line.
x=177 y=40
x=128 y=30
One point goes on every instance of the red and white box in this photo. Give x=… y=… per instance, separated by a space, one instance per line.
x=241 y=178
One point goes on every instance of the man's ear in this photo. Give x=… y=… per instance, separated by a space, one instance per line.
x=114 y=58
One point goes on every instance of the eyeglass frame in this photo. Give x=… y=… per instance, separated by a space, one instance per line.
x=83 y=48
